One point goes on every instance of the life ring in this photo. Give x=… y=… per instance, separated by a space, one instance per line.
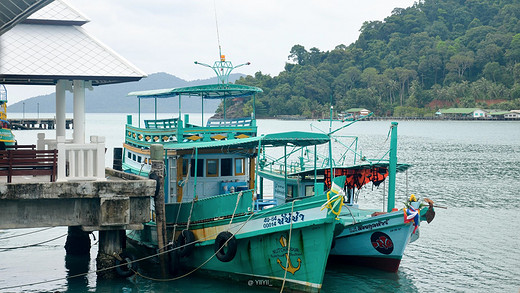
x=185 y=243
x=125 y=265
x=225 y=252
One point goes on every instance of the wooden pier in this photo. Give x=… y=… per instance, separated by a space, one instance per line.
x=38 y=123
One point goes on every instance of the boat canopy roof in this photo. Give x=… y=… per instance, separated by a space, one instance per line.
x=212 y=91
x=400 y=168
x=294 y=138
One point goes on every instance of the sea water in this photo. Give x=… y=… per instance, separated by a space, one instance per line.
x=470 y=167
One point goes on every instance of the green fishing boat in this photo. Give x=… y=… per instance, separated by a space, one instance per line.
x=216 y=218
x=6 y=134
x=370 y=237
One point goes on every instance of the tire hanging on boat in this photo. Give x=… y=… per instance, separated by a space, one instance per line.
x=185 y=243
x=125 y=267
x=229 y=249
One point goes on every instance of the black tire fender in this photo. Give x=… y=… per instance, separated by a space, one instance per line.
x=185 y=243
x=126 y=267
x=229 y=249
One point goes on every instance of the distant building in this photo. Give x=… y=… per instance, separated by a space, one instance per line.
x=513 y=114
x=463 y=113
x=355 y=113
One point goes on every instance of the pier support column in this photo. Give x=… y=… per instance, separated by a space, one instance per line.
x=78 y=241
x=79 y=112
x=61 y=87
x=110 y=242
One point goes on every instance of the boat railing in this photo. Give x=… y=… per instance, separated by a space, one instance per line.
x=161 y=123
x=144 y=136
x=77 y=161
x=230 y=122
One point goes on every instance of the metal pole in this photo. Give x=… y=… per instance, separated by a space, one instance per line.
x=392 y=167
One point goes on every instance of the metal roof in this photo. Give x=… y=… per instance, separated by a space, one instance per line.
x=458 y=110
x=212 y=91
x=294 y=138
x=50 y=46
x=58 y=12
x=14 y=11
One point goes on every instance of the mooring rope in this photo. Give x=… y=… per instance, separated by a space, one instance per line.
x=32 y=232
x=138 y=260
x=31 y=245
x=201 y=265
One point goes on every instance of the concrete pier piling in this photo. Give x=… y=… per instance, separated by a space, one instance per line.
x=111 y=247
x=122 y=202
x=78 y=241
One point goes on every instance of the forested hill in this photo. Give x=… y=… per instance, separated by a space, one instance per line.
x=435 y=54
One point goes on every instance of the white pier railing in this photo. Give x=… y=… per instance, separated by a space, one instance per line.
x=77 y=161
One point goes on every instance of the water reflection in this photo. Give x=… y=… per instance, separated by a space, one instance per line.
x=77 y=266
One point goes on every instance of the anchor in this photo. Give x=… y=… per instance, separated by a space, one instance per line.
x=290 y=268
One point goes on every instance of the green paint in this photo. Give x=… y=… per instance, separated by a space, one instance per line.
x=392 y=168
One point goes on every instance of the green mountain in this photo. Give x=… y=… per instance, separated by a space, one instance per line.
x=436 y=53
x=113 y=98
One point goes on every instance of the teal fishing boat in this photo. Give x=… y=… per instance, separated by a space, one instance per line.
x=216 y=221
x=6 y=134
x=375 y=238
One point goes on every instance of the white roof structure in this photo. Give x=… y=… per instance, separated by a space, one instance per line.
x=14 y=11
x=51 y=45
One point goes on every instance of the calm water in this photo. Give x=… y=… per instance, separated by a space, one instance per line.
x=473 y=168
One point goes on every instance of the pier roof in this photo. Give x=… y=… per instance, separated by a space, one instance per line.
x=51 y=45
x=14 y=11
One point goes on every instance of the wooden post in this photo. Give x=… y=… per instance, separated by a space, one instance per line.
x=157 y=173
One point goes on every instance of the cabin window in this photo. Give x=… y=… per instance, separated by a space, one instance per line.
x=139 y=159
x=290 y=191
x=200 y=168
x=133 y=157
x=309 y=190
x=129 y=155
x=240 y=166
x=226 y=167
x=212 y=167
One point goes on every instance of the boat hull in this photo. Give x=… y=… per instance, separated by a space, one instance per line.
x=262 y=242
x=377 y=242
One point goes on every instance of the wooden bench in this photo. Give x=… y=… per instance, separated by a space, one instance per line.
x=28 y=162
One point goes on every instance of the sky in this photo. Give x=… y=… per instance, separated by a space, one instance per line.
x=169 y=35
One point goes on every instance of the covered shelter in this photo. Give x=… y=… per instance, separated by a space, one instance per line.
x=49 y=47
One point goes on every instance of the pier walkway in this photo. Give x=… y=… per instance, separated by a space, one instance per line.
x=119 y=203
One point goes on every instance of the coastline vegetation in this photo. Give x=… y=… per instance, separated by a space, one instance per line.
x=434 y=54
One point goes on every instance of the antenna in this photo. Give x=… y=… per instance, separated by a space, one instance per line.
x=216 y=25
x=222 y=68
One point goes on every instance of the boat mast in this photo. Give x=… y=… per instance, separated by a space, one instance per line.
x=392 y=167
